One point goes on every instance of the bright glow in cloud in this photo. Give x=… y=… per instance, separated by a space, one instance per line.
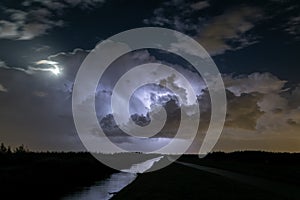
x=55 y=69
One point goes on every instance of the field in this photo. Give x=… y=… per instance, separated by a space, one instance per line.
x=238 y=175
x=264 y=176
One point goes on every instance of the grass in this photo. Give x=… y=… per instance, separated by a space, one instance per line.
x=180 y=182
x=29 y=175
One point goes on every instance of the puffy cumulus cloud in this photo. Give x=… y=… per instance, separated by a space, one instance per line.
x=276 y=109
x=250 y=123
x=262 y=115
x=282 y=113
x=169 y=130
x=257 y=82
x=242 y=111
x=37 y=17
x=260 y=110
x=263 y=103
x=294 y=97
x=227 y=31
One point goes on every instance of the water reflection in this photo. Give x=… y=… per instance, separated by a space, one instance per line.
x=105 y=189
x=142 y=167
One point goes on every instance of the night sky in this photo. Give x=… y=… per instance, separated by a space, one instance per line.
x=255 y=45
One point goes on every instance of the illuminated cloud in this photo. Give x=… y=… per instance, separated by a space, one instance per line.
x=55 y=69
x=257 y=82
x=48 y=66
x=5 y=66
x=252 y=99
x=263 y=109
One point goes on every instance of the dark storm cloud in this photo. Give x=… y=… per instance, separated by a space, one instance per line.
x=259 y=109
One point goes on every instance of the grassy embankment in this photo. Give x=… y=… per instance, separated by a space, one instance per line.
x=180 y=182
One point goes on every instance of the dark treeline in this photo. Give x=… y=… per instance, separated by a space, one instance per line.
x=7 y=149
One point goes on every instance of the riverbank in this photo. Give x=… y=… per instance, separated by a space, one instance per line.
x=181 y=182
x=57 y=175
x=48 y=175
x=107 y=188
x=52 y=175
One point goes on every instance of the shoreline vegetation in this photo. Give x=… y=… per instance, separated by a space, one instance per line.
x=47 y=175
x=52 y=175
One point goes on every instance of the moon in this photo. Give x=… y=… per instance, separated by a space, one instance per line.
x=55 y=69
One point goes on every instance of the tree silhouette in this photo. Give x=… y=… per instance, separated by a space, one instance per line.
x=3 y=149
x=7 y=150
x=21 y=149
